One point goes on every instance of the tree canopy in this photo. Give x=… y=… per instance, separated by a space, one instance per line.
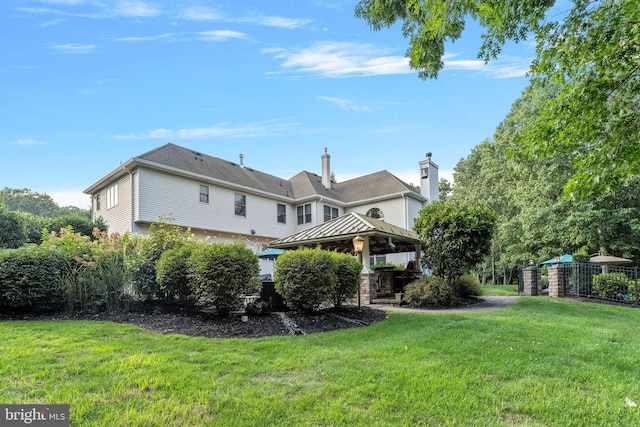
x=589 y=54
x=455 y=238
x=534 y=220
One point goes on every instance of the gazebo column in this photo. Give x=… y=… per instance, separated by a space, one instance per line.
x=366 y=265
x=368 y=282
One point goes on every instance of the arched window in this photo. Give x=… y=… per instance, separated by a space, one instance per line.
x=375 y=213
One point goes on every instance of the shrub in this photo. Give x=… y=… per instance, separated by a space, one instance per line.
x=30 y=280
x=613 y=285
x=173 y=275
x=430 y=291
x=348 y=271
x=93 y=274
x=222 y=273
x=467 y=286
x=13 y=233
x=163 y=235
x=305 y=278
x=454 y=237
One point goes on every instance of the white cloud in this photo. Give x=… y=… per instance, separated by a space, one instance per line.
x=345 y=104
x=221 y=130
x=101 y=10
x=201 y=14
x=27 y=141
x=221 y=35
x=341 y=59
x=503 y=68
x=346 y=59
x=135 y=9
x=277 y=21
x=67 y=2
x=73 y=48
x=145 y=38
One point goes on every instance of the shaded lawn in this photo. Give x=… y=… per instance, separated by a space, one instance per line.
x=504 y=290
x=540 y=362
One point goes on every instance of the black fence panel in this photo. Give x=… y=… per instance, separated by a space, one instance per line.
x=602 y=282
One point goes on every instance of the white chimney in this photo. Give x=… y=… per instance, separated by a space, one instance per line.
x=326 y=170
x=429 y=179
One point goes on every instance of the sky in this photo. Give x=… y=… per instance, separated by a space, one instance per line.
x=88 y=84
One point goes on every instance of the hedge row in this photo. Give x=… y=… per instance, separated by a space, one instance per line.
x=76 y=273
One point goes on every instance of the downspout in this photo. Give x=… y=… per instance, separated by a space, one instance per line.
x=132 y=195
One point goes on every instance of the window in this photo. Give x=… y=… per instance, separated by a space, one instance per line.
x=377 y=259
x=241 y=205
x=282 y=214
x=204 y=194
x=112 y=196
x=330 y=213
x=375 y=213
x=304 y=214
x=98 y=199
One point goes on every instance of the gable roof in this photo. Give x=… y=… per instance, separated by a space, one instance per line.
x=304 y=185
x=372 y=186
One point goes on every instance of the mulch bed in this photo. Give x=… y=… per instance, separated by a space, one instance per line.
x=207 y=325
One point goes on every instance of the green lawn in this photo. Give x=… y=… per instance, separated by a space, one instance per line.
x=505 y=290
x=540 y=362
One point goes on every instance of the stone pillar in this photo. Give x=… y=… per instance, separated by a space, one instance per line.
x=367 y=287
x=531 y=281
x=556 y=280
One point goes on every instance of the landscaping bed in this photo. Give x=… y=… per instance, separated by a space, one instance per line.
x=169 y=321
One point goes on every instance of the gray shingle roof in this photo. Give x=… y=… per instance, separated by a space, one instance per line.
x=195 y=162
x=378 y=184
x=303 y=185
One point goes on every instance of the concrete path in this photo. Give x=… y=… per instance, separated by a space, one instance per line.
x=487 y=303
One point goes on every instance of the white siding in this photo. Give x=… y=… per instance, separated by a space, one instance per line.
x=118 y=218
x=165 y=194
x=393 y=209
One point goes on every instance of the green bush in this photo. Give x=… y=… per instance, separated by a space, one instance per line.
x=173 y=275
x=30 y=280
x=467 y=286
x=222 y=273
x=163 y=235
x=94 y=273
x=348 y=270
x=13 y=232
x=306 y=278
x=613 y=285
x=430 y=291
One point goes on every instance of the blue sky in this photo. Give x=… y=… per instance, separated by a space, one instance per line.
x=87 y=84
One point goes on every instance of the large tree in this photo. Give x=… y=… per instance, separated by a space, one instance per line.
x=534 y=220
x=590 y=54
x=455 y=238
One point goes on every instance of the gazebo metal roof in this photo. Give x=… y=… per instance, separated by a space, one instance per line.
x=337 y=235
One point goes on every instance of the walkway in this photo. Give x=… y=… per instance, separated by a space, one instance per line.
x=488 y=303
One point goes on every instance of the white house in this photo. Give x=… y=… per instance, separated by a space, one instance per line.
x=227 y=202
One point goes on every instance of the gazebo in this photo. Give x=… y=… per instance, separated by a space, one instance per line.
x=379 y=238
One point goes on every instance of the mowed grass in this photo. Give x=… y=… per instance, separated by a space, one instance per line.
x=503 y=290
x=540 y=362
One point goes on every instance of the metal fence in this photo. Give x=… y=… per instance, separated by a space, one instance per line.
x=603 y=282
